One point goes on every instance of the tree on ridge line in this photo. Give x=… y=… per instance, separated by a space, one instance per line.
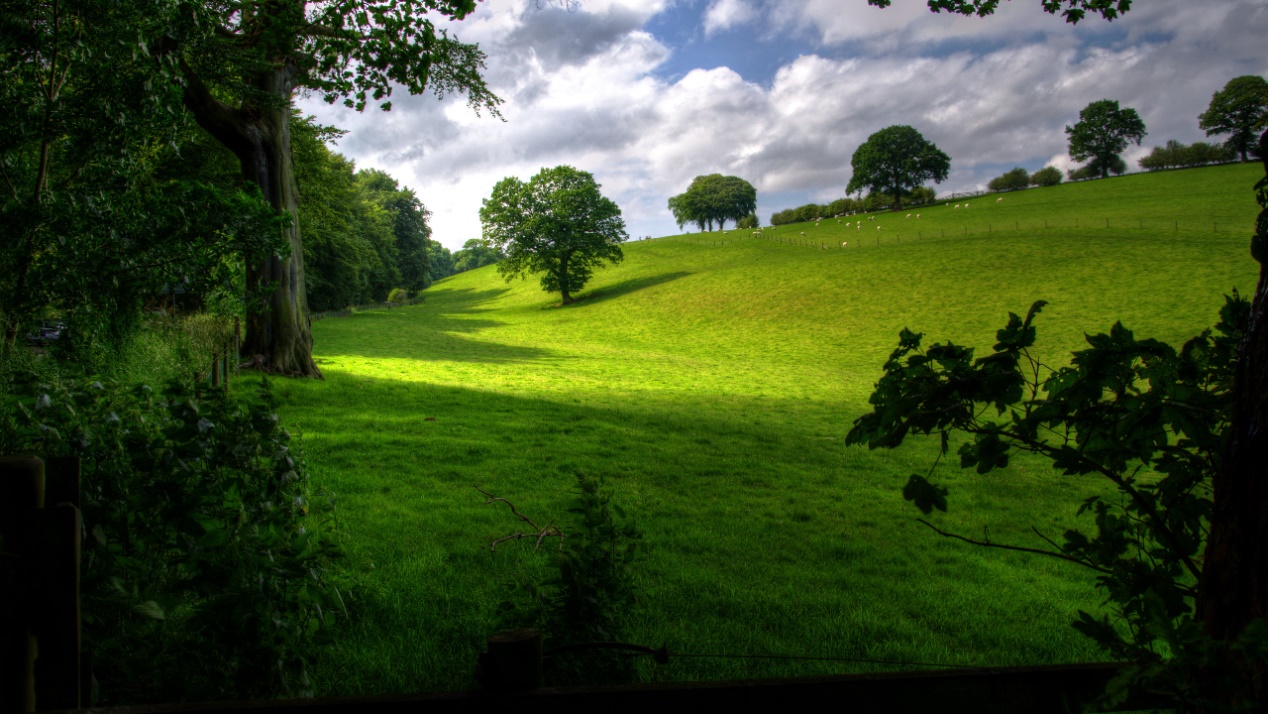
x=557 y=223
x=896 y=160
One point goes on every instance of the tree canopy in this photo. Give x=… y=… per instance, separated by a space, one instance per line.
x=896 y=160
x=1102 y=133
x=557 y=223
x=1240 y=109
x=714 y=198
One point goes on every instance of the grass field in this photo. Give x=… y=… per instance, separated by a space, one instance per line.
x=711 y=380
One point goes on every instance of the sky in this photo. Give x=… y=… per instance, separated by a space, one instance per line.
x=648 y=94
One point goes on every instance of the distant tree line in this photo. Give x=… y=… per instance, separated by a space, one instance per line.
x=1019 y=178
x=842 y=206
x=1175 y=155
x=475 y=253
x=363 y=234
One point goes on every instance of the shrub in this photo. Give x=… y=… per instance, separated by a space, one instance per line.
x=208 y=563
x=1047 y=176
x=1013 y=180
x=398 y=295
x=749 y=221
x=590 y=597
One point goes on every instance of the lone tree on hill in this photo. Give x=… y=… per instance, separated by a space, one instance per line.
x=557 y=224
x=714 y=198
x=1102 y=133
x=894 y=161
x=1239 y=109
x=240 y=64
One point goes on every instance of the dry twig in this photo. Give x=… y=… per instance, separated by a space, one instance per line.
x=549 y=530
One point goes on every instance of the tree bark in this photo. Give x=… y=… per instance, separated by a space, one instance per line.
x=279 y=330
x=1234 y=588
x=563 y=279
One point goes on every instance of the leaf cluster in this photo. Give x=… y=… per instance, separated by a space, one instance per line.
x=1072 y=10
x=209 y=561
x=1147 y=418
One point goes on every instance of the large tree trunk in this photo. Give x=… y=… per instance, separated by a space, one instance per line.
x=279 y=331
x=1234 y=587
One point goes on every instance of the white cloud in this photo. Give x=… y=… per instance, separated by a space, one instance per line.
x=723 y=15
x=580 y=88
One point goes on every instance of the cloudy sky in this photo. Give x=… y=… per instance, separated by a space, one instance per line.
x=647 y=94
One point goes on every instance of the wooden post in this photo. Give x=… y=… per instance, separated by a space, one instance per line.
x=513 y=661
x=21 y=494
x=56 y=611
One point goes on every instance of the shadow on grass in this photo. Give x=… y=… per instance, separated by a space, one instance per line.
x=431 y=331
x=625 y=287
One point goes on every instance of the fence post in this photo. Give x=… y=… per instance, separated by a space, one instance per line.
x=56 y=615
x=513 y=661
x=21 y=493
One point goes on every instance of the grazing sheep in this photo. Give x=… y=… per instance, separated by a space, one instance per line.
x=966 y=205
x=909 y=215
x=957 y=205
x=871 y=218
x=1001 y=198
x=803 y=233
x=845 y=244
x=917 y=216
x=878 y=228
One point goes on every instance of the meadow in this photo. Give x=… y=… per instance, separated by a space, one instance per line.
x=710 y=379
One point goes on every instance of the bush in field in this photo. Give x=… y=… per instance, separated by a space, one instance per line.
x=921 y=195
x=1013 y=180
x=398 y=295
x=208 y=568
x=749 y=221
x=590 y=597
x=1047 y=176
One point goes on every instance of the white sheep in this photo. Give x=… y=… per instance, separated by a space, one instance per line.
x=1001 y=198
x=917 y=216
x=966 y=205
x=878 y=228
x=958 y=205
x=803 y=233
x=845 y=244
x=909 y=215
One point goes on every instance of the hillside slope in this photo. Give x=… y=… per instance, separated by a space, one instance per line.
x=710 y=379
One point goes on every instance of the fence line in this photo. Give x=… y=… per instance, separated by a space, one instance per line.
x=842 y=238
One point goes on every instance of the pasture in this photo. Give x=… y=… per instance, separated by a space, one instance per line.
x=710 y=379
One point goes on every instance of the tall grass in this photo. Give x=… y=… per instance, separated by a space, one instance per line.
x=710 y=381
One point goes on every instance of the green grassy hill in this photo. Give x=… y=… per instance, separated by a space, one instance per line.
x=710 y=379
